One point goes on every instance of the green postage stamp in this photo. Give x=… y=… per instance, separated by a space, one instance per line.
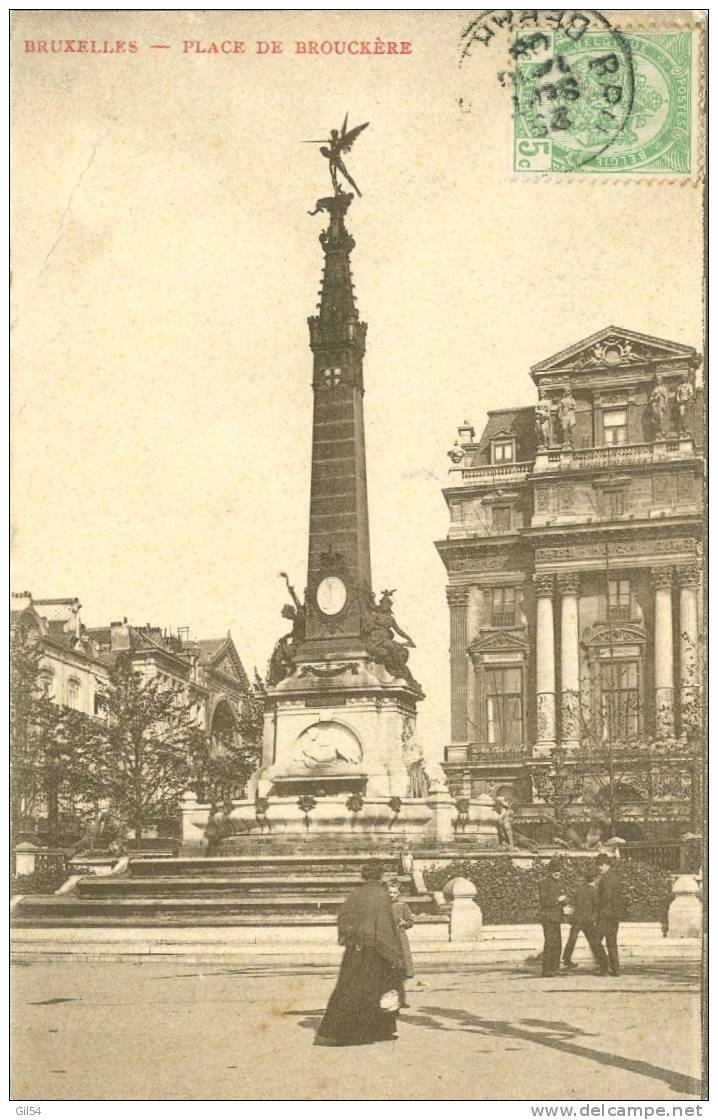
x=607 y=103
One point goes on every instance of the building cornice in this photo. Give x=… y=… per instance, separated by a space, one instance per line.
x=76 y=655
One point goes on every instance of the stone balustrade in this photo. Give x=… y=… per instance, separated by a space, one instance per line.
x=550 y=459
x=496 y=472
x=570 y=458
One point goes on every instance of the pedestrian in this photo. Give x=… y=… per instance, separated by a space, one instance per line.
x=610 y=912
x=364 y=1004
x=403 y=920
x=212 y=830
x=584 y=904
x=551 y=900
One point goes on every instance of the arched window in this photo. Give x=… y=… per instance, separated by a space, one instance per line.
x=46 y=682
x=223 y=729
x=73 y=693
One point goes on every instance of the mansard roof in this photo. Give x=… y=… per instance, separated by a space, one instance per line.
x=616 y=349
x=511 y=423
x=218 y=654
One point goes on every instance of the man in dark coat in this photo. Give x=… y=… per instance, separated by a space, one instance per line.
x=551 y=900
x=584 y=901
x=610 y=912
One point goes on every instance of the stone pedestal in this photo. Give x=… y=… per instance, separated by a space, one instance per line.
x=443 y=812
x=685 y=914
x=25 y=855
x=466 y=920
x=338 y=726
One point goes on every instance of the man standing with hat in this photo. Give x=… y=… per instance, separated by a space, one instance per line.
x=610 y=912
x=551 y=900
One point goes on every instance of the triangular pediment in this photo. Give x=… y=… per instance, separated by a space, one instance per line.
x=500 y=640
x=615 y=348
x=226 y=660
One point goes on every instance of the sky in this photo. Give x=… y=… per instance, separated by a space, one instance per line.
x=164 y=265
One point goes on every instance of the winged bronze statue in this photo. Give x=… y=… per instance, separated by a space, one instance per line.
x=335 y=146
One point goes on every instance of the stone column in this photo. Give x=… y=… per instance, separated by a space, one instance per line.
x=688 y=580
x=569 y=587
x=663 y=651
x=457 y=598
x=545 y=666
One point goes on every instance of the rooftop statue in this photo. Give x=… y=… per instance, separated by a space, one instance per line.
x=685 y=396
x=659 y=405
x=567 y=416
x=542 y=420
x=335 y=146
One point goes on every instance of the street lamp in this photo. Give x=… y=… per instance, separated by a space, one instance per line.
x=560 y=784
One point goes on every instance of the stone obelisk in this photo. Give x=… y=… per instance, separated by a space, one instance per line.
x=339 y=565
x=341 y=700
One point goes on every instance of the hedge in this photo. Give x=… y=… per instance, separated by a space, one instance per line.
x=41 y=882
x=508 y=895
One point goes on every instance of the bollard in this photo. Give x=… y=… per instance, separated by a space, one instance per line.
x=685 y=914
x=466 y=919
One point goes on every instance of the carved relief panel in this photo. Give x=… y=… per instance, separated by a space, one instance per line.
x=664 y=488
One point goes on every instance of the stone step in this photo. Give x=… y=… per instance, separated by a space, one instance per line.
x=41 y=907
x=117 y=886
x=311 y=944
x=531 y=933
x=258 y=865
x=178 y=922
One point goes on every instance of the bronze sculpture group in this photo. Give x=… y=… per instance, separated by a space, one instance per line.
x=379 y=627
x=379 y=632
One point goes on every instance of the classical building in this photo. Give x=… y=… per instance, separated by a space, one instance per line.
x=77 y=658
x=575 y=587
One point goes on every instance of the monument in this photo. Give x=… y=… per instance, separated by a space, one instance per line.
x=339 y=752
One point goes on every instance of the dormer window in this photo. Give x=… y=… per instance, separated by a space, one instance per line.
x=615 y=425
x=503 y=451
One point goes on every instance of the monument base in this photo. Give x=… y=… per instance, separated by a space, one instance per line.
x=344 y=724
x=346 y=822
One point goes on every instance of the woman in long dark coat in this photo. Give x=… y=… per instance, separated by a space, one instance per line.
x=373 y=964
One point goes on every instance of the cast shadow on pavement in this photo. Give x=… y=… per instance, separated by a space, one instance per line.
x=473 y=1024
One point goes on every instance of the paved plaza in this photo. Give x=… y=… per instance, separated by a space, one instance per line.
x=181 y=1031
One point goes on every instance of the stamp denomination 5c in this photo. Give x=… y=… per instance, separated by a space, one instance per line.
x=606 y=102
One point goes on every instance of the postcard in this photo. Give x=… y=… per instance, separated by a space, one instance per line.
x=358 y=616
